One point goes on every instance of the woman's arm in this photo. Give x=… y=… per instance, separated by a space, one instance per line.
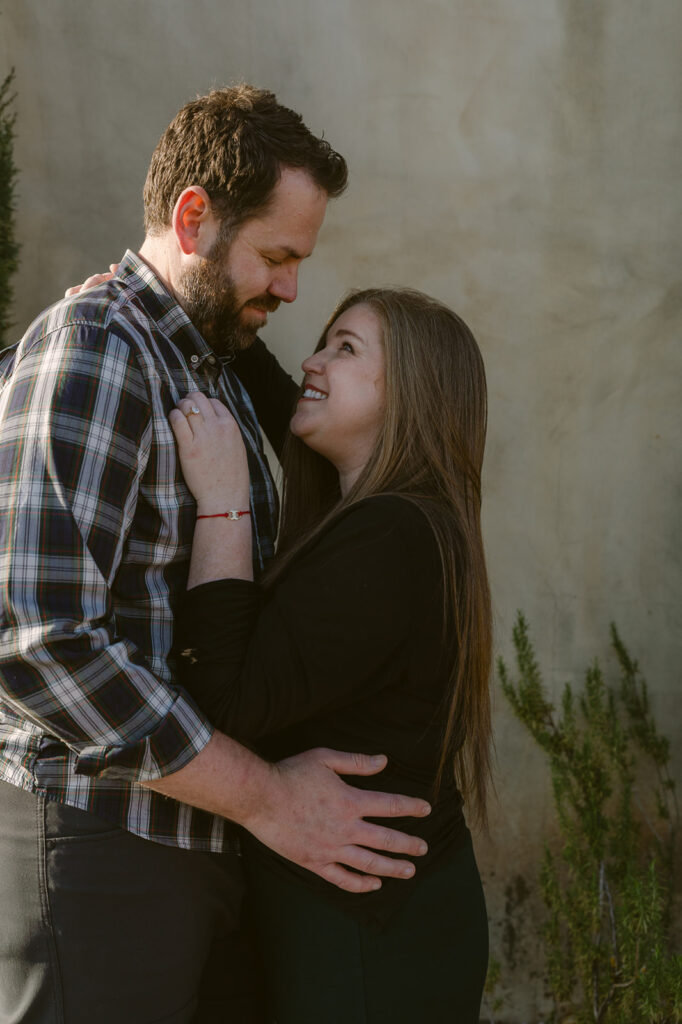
x=215 y=468
x=337 y=627
x=333 y=628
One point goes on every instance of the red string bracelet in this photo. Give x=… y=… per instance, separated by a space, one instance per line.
x=232 y=514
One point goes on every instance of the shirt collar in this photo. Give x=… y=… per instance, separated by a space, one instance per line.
x=165 y=310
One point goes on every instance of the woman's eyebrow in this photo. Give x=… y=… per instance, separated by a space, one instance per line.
x=344 y=330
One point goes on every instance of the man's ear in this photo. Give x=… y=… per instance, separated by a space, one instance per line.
x=192 y=215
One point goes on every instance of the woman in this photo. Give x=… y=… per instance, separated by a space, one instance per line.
x=371 y=631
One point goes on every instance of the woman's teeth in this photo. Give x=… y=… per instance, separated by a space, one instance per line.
x=313 y=393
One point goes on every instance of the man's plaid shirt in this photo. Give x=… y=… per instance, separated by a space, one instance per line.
x=96 y=528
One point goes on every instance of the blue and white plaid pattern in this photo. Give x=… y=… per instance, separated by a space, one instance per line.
x=96 y=528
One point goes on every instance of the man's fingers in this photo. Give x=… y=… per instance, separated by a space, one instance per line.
x=353 y=764
x=389 y=840
x=349 y=880
x=391 y=805
x=367 y=866
x=371 y=863
x=329 y=833
x=376 y=805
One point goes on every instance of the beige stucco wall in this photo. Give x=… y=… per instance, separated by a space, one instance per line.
x=520 y=159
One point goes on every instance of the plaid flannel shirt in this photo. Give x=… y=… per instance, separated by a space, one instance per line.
x=96 y=528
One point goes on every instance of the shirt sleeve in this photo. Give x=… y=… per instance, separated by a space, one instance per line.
x=75 y=438
x=270 y=388
x=333 y=630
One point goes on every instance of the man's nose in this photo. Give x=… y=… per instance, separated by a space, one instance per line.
x=284 y=284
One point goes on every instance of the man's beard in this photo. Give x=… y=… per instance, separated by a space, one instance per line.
x=208 y=295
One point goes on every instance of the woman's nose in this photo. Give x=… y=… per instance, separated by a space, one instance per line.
x=313 y=364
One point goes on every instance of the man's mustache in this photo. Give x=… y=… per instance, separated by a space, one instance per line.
x=268 y=303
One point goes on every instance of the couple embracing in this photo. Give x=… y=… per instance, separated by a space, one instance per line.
x=232 y=778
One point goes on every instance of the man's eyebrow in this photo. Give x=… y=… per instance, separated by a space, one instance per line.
x=288 y=251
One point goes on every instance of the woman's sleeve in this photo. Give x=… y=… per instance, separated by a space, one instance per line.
x=329 y=632
x=270 y=388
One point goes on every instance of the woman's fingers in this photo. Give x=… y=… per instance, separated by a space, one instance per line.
x=209 y=413
x=206 y=407
x=90 y=282
x=198 y=411
x=192 y=411
x=212 y=452
x=220 y=409
x=180 y=427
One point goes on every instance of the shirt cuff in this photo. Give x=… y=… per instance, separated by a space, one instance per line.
x=177 y=739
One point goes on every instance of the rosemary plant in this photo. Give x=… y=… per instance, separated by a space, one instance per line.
x=9 y=249
x=608 y=883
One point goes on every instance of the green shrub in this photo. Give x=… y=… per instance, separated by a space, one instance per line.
x=9 y=249
x=608 y=890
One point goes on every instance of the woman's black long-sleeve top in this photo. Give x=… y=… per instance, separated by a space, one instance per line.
x=345 y=650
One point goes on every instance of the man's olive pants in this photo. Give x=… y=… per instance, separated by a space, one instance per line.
x=98 y=926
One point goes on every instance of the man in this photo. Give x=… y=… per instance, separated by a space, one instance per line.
x=118 y=903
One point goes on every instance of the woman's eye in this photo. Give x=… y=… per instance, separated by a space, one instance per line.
x=347 y=347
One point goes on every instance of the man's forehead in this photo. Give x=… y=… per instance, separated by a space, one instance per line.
x=292 y=218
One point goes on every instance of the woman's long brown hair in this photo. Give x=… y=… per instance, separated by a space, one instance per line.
x=430 y=451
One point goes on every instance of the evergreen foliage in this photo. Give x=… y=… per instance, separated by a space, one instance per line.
x=9 y=248
x=609 y=888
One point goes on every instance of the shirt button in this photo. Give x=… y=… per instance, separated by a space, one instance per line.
x=194 y=360
x=211 y=360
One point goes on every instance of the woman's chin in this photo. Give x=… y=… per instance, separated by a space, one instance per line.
x=299 y=430
x=295 y=426
x=298 y=426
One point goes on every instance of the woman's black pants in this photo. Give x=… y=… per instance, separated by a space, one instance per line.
x=426 y=966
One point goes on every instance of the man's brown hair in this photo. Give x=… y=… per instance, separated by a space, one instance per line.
x=233 y=142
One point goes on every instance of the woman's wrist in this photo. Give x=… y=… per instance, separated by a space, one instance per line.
x=233 y=514
x=219 y=506
x=221 y=551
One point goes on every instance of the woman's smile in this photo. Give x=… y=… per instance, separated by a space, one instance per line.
x=313 y=393
x=348 y=376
